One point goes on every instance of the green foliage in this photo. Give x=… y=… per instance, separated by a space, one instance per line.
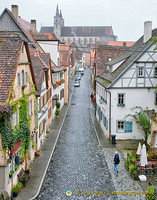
x=15 y=189
x=16 y=167
x=19 y=133
x=19 y=185
x=132 y=168
x=57 y=112
x=58 y=105
x=154 y=40
x=151 y=192
x=141 y=117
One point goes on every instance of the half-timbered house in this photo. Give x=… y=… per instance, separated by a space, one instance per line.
x=131 y=82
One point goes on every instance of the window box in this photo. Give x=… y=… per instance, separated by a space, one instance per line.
x=121 y=104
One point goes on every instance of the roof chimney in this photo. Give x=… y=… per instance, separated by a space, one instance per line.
x=147 y=31
x=33 y=26
x=15 y=11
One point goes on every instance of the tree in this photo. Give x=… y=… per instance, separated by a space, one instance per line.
x=141 y=117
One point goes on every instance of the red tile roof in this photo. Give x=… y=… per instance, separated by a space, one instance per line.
x=45 y=37
x=10 y=45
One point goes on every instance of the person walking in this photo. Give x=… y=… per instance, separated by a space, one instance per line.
x=116 y=162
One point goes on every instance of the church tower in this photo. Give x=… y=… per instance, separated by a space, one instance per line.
x=58 y=23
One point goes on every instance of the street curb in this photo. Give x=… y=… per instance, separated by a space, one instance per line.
x=53 y=149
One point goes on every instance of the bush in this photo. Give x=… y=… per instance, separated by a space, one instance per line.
x=151 y=192
x=132 y=168
x=57 y=112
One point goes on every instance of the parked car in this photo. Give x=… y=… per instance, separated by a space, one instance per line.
x=77 y=84
x=77 y=78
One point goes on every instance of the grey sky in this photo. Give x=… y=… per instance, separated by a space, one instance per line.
x=126 y=16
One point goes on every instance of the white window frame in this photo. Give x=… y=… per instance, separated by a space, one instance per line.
x=140 y=71
x=118 y=124
x=121 y=100
x=30 y=107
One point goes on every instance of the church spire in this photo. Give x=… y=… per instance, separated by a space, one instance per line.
x=57 y=11
x=61 y=14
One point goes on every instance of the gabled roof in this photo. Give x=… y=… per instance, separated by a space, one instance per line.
x=135 y=51
x=16 y=22
x=119 y=58
x=39 y=67
x=10 y=46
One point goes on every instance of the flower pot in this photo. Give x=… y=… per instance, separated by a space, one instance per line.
x=37 y=153
x=15 y=194
x=57 y=116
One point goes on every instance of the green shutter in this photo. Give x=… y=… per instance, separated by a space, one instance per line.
x=104 y=121
x=128 y=127
x=106 y=124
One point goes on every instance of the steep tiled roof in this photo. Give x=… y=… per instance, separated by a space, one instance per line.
x=38 y=66
x=78 y=31
x=135 y=51
x=45 y=36
x=10 y=45
x=103 y=52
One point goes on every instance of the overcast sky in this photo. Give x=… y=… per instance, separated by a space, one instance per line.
x=126 y=16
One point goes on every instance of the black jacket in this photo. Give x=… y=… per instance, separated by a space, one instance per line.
x=116 y=159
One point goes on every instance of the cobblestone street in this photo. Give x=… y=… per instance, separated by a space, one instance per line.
x=79 y=163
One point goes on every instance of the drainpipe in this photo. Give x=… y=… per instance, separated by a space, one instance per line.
x=109 y=114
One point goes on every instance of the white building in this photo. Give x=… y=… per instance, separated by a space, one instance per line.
x=131 y=82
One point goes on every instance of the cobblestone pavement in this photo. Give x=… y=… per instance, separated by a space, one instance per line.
x=78 y=162
x=123 y=182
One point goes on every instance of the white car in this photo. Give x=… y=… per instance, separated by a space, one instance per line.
x=77 y=84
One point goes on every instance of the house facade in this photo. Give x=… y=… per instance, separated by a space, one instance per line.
x=130 y=83
x=17 y=92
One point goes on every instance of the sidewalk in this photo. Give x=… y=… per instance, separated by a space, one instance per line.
x=41 y=163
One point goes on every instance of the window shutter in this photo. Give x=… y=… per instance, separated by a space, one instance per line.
x=128 y=127
x=101 y=115
x=104 y=121
x=106 y=124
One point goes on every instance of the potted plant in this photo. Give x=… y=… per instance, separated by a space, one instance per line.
x=16 y=167
x=58 y=105
x=15 y=190
x=57 y=113
x=19 y=185
x=37 y=153
x=33 y=145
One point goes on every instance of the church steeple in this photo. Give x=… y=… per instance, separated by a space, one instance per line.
x=61 y=14
x=57 y=11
